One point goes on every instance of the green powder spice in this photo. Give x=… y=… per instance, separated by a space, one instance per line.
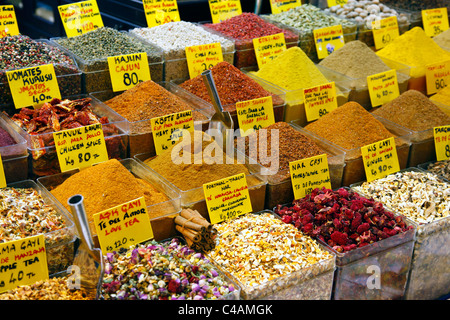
x=413 y=110
x=107 y=42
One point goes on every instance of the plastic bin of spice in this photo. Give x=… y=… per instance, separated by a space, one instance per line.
x=295 y=107
x=68 y=74
x=305 y=19
x=428 y=278
x=246 y=27
x=14 y=156
x=376 y=271
x=174 y=37
x=161 y=214
x=43 y=159
x=279 y=185
x=311 y=281
x=359 y=91
x=192 y=195
x=354 y=166
x=96 y=74
x=140 y=134
x=439 y=168
x=59 y=243
x=278 y=95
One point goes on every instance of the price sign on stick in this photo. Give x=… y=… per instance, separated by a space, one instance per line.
x=8 y=21
x=435 y=21
x=255 y=114
x=385 y=31
x=383 y=87
x=268 y=48
x=203 y=57
x=380 y=159
x=437 y=76
x=319 y=100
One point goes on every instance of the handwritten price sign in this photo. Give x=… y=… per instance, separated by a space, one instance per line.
x=80 y=17
x=442 y=142
x=435 y=21
x=320 y=100
x=203 y=57
x=380 y=159
x=385 y=31
x=158 y=12
x=8 y=21
x=278 y=6
x=268 y=48
x=126 y=71
x=437 y=76
x=383 y=87
x=224 y=9
x=255 y=114
x=328 y=39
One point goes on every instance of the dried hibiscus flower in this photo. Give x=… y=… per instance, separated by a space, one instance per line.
x=343 y=219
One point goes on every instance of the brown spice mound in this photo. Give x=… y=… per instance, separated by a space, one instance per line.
x=232 y=86
x=106 y=185
x=203 y=167
x=350 y=126
x=413 y=110
x=292 y=145
x=148 y=100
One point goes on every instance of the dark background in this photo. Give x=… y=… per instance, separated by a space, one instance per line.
x=41 y=19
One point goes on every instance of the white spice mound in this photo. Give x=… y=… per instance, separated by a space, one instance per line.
x=420 y=196
x=174 y=37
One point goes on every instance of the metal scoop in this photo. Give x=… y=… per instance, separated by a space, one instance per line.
x=88 y=258
x=220 y=121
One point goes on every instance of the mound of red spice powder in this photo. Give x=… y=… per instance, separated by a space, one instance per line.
x=343 y=219
x=5 y=138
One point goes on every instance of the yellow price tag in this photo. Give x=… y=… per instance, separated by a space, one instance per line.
x=203 y=57
x=167 y=130
x=442 y=142
x=158 y=12
x=332 y=3
x=308 y=174
x=255 y=114
x=79 y=148
x=22 y=262
x=380 y=159
x=385 y=31
x=2 y=174
x=268 y=48
x=437 y=76
x=8 y=21
x=227 y=198
x=435 y=21
x=123 y=226
x=80 y=17
x=278 y=6
x=328 y=39
x=126 y=71
x=383 y=87
x=224 y=9
x=33 y=86
x=319 y=100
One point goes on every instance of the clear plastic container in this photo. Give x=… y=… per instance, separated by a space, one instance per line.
x=359 y=91
x=354 y=165
x=43 y=159
x=422 y=143
x=195 y=198
x=69 y=78
x=141 y=140
x=175 y=62
x=365 y=34
x=429 y=271
x=245 y=52
x=59 y=244
x=424 y=166
x=312 y=283
x=160 y=213
x=278 y=99
x=96 y=74
x=279 y=186
x=295 y=107
x=15 y=156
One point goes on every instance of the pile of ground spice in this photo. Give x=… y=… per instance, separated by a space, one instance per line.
x=148 y=100
x=413 y=110
x=350 y=126
x=232 y=86
x=106 y=185
x=442 y=96
x=5 y=138
x=291 y=144
x=356 y=60
x=202 y=164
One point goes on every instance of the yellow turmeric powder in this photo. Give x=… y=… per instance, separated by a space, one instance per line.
x=414 y=48
x=443 y=96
